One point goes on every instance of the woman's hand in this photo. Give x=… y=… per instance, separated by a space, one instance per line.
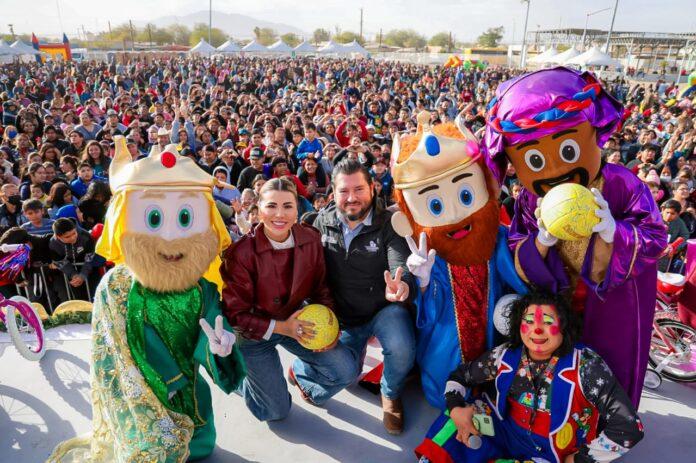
x=299 y=330
x=463 y=418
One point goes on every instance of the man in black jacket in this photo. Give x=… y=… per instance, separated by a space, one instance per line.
x=366 y=271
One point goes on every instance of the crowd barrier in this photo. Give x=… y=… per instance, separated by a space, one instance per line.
x=38 y=285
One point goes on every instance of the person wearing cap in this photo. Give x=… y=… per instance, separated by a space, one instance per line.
x=112 y=122
x=246 y=177
x=133 y=149
x=163 y=140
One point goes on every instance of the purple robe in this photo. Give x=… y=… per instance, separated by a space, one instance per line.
x=618 y=312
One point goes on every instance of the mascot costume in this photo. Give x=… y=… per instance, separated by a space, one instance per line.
x=550 y=125
x=156 y=317
x=449 y=199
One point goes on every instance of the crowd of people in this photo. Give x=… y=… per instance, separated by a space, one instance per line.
x=287 y=140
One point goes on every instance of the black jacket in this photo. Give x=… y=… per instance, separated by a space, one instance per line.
x=356 y=276
x=66 y=255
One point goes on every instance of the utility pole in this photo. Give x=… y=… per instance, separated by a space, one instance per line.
x=149 y=33
x=84 y=34
x=523 y=53
x=449 y=43
x=361 y=23
x=11 y=26
x=109 y=22
x=130 y=24
x=611 y=28
x=210 y=20
x=380 y=40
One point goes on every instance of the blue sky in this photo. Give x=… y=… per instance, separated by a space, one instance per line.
x=465 y=18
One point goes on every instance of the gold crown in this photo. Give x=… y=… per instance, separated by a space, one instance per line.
x=165 y=170
x=435 y=157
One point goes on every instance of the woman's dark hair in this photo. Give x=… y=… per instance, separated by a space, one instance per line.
x=56 y=197
x=566 y=318
x=99 y=191
x=104 y=160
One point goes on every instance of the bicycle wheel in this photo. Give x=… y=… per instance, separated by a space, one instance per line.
x=673 y=353
x=26 y=330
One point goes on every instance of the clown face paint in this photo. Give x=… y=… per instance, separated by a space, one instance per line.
x=449 y=200
x=169 y=215
x=540 y=331
x=568 y=156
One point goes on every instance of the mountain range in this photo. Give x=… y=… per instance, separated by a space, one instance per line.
x=236 y=25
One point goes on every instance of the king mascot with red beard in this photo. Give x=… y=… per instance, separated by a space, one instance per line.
x=449 y=200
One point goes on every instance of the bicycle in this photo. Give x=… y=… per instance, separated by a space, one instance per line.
x=673 y=343
x=21 y=319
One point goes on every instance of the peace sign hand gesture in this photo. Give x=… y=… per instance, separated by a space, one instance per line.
x=396 y=290
x=220 y=340
x=420 y=262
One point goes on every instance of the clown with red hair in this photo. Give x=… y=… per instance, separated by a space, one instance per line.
x=448 y=199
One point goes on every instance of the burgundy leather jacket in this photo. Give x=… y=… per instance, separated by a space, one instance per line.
x=262 y=283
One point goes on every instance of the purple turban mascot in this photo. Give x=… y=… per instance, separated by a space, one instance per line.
x=550 y=125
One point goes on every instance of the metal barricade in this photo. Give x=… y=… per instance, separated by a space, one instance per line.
x=68 y=286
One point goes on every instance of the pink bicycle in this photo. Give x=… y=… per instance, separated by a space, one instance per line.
x=21 y=319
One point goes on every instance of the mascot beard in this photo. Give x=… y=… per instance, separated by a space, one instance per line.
x=475 y=248
x=167 y=266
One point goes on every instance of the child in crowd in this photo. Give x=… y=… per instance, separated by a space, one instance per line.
x=72 y=252
x=35 y=223
x=676 y=228
x=37 y=192
x=85 y=176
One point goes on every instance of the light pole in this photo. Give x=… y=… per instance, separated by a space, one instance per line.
x=523 y=57
x=587 y=20
x=611 y=28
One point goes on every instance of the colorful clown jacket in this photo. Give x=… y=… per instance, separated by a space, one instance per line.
x=573 y=400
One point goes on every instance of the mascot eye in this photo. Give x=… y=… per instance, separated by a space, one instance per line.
x=535 y=160
x=570 y=151
x=153 y=218
x=185 y=218
x=466 y=195
x=435 y=205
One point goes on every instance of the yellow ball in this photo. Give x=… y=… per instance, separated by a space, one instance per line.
x=325 y=325
x=568 y=212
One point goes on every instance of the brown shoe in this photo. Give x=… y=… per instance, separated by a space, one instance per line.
x=393 y=417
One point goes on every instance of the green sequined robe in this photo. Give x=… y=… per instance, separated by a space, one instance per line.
x=150 y=403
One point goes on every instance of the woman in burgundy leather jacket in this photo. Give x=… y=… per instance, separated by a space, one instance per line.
x=268 y=276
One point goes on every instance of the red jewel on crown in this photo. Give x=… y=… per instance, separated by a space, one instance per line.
x=168 y=159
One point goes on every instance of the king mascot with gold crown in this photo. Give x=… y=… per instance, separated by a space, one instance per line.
x=449 y=200
x=156 y=317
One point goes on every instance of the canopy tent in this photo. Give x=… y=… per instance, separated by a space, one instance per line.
x=280 y=47
x=229 y=47
x=354 y=47
x=254 y=47
x=203 y=48
x=24 y=49
x=594 y=57
x=564 y=56
x=332 y=47
x=305 y=47
x=5 y=49
x=545 y=56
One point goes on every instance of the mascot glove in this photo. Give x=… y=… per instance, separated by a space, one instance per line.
x=607 y=225
x=219 y=339
x=544 y=237
x=420 y=262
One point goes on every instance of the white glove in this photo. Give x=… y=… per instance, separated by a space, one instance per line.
x=9 y=247
x=420 y=262
x=606 y=226
x=545 y=238
x=220 y=340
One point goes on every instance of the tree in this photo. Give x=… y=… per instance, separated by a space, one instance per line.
x=151 y=33
x=404 y=38
x=291 y=39
x=348 y=36
x=491 y=38
x=200 y=31
x=180 y=33
x=441 y=39
x=265 y=35
x=320 y=35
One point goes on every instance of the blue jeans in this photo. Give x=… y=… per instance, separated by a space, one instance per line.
x=394 y=329
x=319 y=374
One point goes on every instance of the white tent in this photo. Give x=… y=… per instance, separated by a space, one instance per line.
x=280 y=47
x=331 y=47
x=229 y=47
x=564 y=56
x=545 y=56
x=7 y=50
x=203 y=48
x=305 y=47
x=254 y=47
x=24 y=49
x=593 y=57
x=354 y=47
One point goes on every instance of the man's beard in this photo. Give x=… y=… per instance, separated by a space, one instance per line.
x=474 y=248
x=167 y=266
x=357 y=216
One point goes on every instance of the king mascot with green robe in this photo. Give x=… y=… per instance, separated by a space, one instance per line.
x=157 y=318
